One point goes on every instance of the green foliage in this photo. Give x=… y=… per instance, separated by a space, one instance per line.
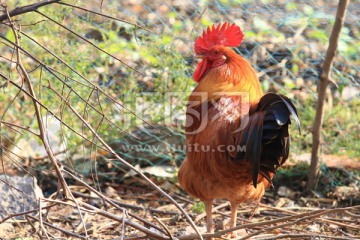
x=319 y=35
x=233 y=3
x=291 y=6
x=198 y=208
x=163 y=60
x=340 y=129
x=295 y=176
x=287 y=176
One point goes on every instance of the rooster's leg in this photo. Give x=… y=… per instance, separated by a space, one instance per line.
x=208 y=209
x=232 y=223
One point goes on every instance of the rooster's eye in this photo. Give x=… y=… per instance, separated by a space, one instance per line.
x=216 y=52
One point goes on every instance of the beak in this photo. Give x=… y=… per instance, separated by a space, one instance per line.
x=199 y=56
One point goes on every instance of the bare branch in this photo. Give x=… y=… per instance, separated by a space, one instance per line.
x=125 y=205
x=55 y=116
x=150 y=233
x=104 y=15
x=151 y=183
x=23 y=213
x=66 y=232
x=89 y=42
x=10 y=125
x=51 y=70
x=27 y=8
x=322 y=86
x=4 y=85
x=41 y=126
x=165 y=227
x=303 y=236
x=302 y=216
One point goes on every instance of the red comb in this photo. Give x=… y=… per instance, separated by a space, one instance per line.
x=226 y=34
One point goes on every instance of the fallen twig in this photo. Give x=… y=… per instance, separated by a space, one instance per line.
x=127 y=205
x=126 y=221
x=297 y=217
x=301 y=236
x=321 y=219
x=66 y=232
x=165 y=227
x=200 y=216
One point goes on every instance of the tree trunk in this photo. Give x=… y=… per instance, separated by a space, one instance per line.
x=324 y=81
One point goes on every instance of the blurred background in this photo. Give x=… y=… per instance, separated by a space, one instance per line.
x=140 y=113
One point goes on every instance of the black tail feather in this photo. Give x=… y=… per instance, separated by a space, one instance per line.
x=267 y=137
x=253 y=145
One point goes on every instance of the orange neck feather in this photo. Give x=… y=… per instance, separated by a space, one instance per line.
x=236 y=75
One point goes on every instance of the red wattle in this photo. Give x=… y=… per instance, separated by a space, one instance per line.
x=201 y=69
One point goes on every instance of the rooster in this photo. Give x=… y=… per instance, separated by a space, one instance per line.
x=236 y=137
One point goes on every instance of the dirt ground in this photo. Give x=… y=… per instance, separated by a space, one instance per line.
x=285 y=211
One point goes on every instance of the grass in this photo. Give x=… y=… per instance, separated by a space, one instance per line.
x=295 y=177
x=167 y=62
x=198 y=208
x=340 y=134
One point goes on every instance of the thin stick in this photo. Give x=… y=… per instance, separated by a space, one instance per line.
x=301 y=236
x=113 y=202
x=51 y=71
x=42 y=128
x=89 y=42
x=26 y=9
x=127 y=221
x=323 y=82
x=200 y=216
x=165 y=227
x=41 y=220
x=27 y=128
x=33 y=226
x=104 y=15
x=321 y=219
x=58 y=228
x=126 y=205
x=126 y=163
x=303 y=216
x=23 y=213
x=53 y=114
